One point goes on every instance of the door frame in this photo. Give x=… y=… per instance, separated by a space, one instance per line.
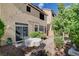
x=21 y=25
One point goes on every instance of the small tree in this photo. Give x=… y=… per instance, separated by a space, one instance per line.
x=68 y=21
x=58 y=26
x=1 y=30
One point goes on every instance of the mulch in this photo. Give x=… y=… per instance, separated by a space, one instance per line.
x=28 y=49
x=10 y=50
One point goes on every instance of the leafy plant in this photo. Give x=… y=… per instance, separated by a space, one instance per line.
x=9 y=41
x=59 y=25
x=35 y=34
x=58 y=41
x=67 y=21
x=1 y=30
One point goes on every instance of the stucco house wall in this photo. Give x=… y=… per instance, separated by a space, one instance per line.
x=50 y=41
x=49 y=20
x=12 y=13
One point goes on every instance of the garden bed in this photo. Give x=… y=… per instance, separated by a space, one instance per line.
x=8 y=50
x=11 y=50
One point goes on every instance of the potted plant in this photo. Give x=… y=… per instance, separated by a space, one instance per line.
x=9 y=41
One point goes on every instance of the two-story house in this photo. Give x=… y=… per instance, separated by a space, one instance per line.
x=21 y=19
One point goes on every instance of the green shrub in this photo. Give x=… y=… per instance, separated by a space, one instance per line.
x=58 y=41
x=1 y=30
x=35 y=34
x=77 y=43
x=75 y=39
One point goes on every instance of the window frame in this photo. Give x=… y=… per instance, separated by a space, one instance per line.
x=42 y=16
x=22 y=34
x=41 y=28
x=36 y=28
x=28 y=9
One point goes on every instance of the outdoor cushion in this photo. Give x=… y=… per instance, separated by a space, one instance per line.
x=30 y=42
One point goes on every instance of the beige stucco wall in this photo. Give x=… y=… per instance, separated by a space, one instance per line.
x=11 y=13
x=50 y=42
x=49 y=19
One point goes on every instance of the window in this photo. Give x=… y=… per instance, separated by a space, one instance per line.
x=28 y=9
x=36 y=28
x=41 y=16
x=41 y=28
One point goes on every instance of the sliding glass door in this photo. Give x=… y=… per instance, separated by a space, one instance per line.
x=21 y=31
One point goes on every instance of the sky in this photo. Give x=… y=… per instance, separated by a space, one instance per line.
x=52 y=6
